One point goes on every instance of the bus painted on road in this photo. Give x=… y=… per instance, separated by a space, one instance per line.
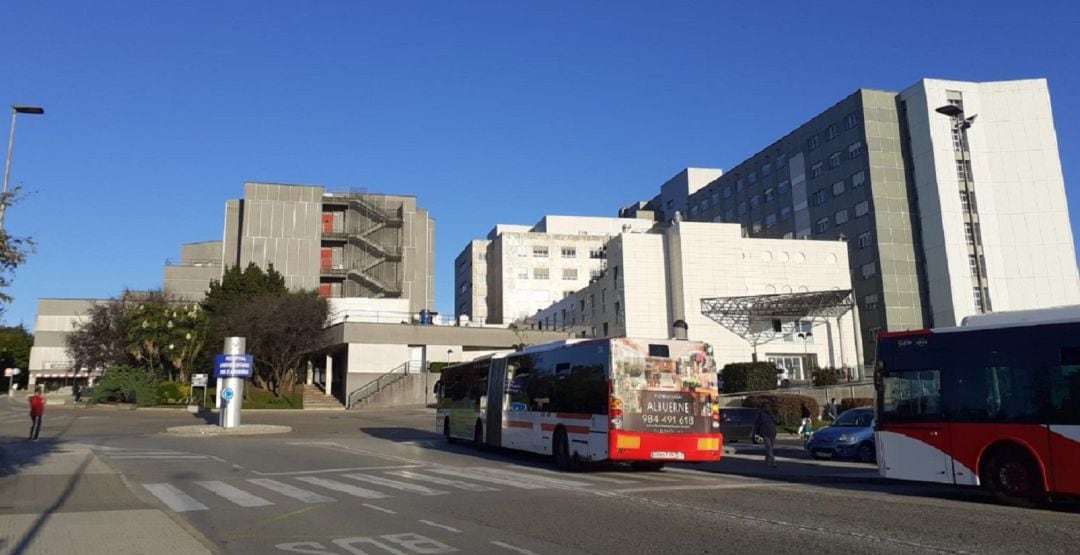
x=636 y=400
x=994 y=402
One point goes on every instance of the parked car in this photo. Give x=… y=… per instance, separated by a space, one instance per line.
x=850 y=436
x=737 y=424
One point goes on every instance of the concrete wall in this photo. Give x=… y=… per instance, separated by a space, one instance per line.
x=200 y=263
x=413 y=389
x=282 y=226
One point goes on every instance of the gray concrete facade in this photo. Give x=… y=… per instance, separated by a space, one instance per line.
x=189 y=277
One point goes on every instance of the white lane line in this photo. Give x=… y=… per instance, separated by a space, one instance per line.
x=485 y=478
x=403 y=486
x=596 y=477
x=174 y=499
x=701 y=487
x=443 y=526
x=654 y=477
x=691 y=474
x=534 y=478
x=343 y=487
x=158 y=457
x=378 y=508
x=441 y=481
x=236 y=495
x=337 y=470
x=505 y=545
x=291 y=491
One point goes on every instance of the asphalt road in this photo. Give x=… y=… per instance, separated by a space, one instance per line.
x=382 y=482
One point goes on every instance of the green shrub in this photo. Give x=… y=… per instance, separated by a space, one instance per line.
x=749 y=376
x=171 y=393
x=437 y=367
x=125 y=384
x=827 y=376
x=853 y=402
x=785 y=408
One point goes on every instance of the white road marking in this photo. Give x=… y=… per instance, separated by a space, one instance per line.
x=597 y=477
x=291 y=491
x=485 y=478
x=378 y=508
x=702 y=487
x=505 y=545
x=443 y=526
x=441 y=481
x=653 y=477
x=556 y=482
x=236 y=495
x=404 y=486
x=343 y=487
x=174 y=499
x=336 y=470
x=158 y=457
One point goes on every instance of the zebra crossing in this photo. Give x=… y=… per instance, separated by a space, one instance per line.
x=201 y=495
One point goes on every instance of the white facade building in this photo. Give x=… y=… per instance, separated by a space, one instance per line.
x=657 y=278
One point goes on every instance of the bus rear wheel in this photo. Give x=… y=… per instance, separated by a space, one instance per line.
x=560 y=450
x=446 y=431
x=1013 y=477
x=478 y=436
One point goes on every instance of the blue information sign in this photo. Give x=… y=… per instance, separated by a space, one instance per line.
x=227 y=394
x=233 y=366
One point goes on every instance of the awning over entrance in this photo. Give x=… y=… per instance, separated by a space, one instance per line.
x=762 y=318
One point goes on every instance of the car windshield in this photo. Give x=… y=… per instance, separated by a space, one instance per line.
x=855 y=418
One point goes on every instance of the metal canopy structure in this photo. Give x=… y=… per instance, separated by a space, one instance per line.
x=762 y=318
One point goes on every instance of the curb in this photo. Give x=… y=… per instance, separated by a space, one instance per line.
x=205 y=430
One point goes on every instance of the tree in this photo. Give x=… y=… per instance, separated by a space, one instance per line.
x=101 y=340
x=13 y=251
x=15 y=343
x=250 y=283
x=280 y=330
x=166 y=335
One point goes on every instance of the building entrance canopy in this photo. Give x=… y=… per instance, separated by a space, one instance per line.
x=762 y=318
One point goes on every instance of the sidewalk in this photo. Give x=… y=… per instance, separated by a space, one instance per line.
x=61 y=498
x=794 y=464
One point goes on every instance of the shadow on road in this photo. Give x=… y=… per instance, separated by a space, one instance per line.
x=35 y=529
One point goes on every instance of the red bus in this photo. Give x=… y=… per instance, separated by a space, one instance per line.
x=644 y=401
x=994 y=402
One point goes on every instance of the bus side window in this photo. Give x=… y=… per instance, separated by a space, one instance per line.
x=1065 y=388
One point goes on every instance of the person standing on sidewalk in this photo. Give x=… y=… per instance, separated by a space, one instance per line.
x=37 y=410
x=765 y=426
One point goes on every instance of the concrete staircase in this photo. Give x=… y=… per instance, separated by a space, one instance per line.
x=315 y=399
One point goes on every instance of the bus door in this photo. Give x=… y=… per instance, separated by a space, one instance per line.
x=914 y=440
x=496 y=396
x=1064 y=417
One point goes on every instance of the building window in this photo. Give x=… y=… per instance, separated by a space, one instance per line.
x=716 y=198
x=769 y=194
x=522 y=251
x=813 y=142
x=963 y=169
x=831 y=132
x=781 y=160
x=729 y=214
x=783 y=187
x=770 y=221
x=957 y=142
x=569 y=252
x=841 y=216
x=822 y=225
x=540 y=273
x=858 y=179
x=540 y=252
x=597 y=253
x=817 y=169
x=785 y=213
x=819 y=197
x=838 y=188
x=618 y=313
x=522 y=273
x=755 y=201
x=756 y=226
x=965 y=201
x=869 y=270
x=742 y=208
x=834 y=160
x=973 y=264
x=854 y=150
x=569 y=274
x=977 y=293
x=851 y=120
x=740 y=184
x=766 y=170
x=870 y=302
x=861 y=208
x=727 y=191
x=969 y=234
x=752 y=177
x=595 y=274
x=864 y=240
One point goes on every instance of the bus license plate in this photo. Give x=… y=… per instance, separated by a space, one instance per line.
x=677 y=455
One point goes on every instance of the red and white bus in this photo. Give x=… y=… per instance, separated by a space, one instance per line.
x=643 y=401
x=994 y=402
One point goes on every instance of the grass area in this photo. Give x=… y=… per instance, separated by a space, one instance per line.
x=263 y=399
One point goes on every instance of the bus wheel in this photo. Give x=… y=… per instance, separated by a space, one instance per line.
x=560 y=449
x=478 y=436
x=651 y=466
x=446 y=431
x=1013 y=477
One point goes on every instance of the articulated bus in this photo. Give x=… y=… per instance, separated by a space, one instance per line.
x=643 y=401
x=994 y=402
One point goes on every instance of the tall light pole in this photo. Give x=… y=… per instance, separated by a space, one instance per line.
x=961 y=124
x=805 y=336
x=15 y=111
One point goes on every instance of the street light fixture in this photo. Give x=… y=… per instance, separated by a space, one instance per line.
x=15 y=110
x=960 y=125
x=805 y=336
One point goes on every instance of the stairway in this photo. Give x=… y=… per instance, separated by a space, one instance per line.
x=315 y=399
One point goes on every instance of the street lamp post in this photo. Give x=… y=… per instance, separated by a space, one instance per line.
x=15 y=111
x=961 y=124
x=805 y=336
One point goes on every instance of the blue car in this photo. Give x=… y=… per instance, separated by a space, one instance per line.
x=850 y=436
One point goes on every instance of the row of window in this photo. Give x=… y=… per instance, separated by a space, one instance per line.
x=841 y=217
x=854 y=151
x=540 y=251
x=568 y=274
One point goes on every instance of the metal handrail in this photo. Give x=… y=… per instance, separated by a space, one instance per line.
x=366 y=391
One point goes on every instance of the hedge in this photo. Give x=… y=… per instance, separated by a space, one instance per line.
x=787 y=409
x=854 y=402
x=827 y=376
x=127 y=385
x=749 y=376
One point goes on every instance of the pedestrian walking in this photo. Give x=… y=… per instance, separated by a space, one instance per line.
x=830 y=409
x=37 y=410
x=765 y=426
x=76 y=390
x=806 y=423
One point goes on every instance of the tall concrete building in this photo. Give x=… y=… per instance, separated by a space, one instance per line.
x=345 y=245
x=189 y=277
x=945 y=217
x=523 y=269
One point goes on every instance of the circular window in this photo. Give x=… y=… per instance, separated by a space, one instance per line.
x=787 y=289
x=783 y=257
x=770 y=289
x=766 y=256
x=803 y=289
x=831 y=259
x=800 y=257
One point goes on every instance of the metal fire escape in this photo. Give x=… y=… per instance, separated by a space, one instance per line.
x=374 y=255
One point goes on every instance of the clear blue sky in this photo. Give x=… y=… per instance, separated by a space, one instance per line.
x=488 y=112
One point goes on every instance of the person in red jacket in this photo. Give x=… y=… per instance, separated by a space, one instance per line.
x=37 y=410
